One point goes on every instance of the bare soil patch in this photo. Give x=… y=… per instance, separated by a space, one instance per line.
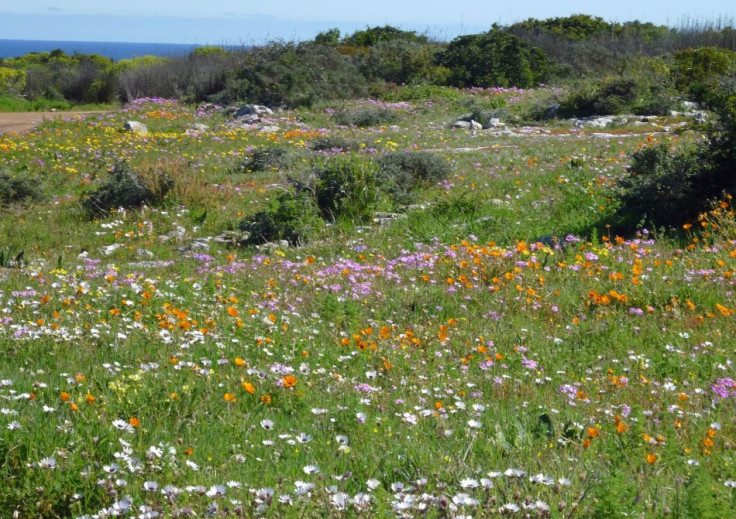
x=21 y=122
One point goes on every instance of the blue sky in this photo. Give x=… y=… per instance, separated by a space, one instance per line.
x=248 y=22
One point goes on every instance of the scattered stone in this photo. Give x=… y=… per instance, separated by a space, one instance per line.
x=151 y=264
x=198 y=244
x=268 y=128
x=109 y=249
x=256 y=110
x=143 y=253
x=136 y=127
x=599 y=121
x=199 y=128
x=383 y=219
x=273 y=245
x=178 y=233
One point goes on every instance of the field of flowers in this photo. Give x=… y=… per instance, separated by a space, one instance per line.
x=456 y=361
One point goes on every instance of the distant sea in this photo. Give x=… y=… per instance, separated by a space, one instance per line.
x=114 y=50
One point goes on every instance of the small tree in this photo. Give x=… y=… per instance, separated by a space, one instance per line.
x=495 y=58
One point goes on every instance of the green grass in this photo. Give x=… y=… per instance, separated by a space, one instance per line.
x=17 y=104
x=437 y=354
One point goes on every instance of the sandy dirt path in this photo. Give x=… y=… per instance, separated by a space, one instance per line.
x=20 y=122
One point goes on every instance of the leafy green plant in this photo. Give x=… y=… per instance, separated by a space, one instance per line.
x=346 y=188
x=17 y=188
x=9 y=258
x=643 y=88
x=334 y=143
x=666 y=189
x=697 y=71
x=269 y=158
x=366 y=117
x=127 y=188
x=402 y=173
x=290 y=216
x=492 y=59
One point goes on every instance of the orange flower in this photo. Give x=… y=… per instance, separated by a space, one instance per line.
x=239 y=362
x=134 y=421
x=73 y=406
x=249 y=388
x=230 y=398
x=289 y=381
x=232 y=311
x=621 y=428
x=64 y=396
x=586 y=443
x=265 y=399
x=652 y=458
x=90 y=399
x=592 y=432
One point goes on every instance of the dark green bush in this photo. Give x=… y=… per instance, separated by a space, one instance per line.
x=494 y=59
x=365 y=117
x=290 y=216
x=402 y=173
x=18 y=188
x=406 y=171
x=334 y=143
x=642 y=87
x=127 y=188
x=698 y=71
x=346 y=188
x=269 y=158
x=664 y=189
x=292 y=74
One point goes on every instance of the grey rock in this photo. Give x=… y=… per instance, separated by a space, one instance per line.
x=109 y=249
x=144 y=253
x=257 y=110
x=178 y=233
x=268 y=128
x=273 y=245
x=136 y=127
x=151 y=264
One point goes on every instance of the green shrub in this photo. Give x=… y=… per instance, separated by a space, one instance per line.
x=664 y=189
x=290 y=216
x=127 y=188
x=346 y=188
x=291 y=74
x=494 y=59
x=698 y=71
x=643 y=87
x=15 y=189
x=334 y=143
x=9 y=258
x=365 y=117
x=401 y=173
x=269 y=158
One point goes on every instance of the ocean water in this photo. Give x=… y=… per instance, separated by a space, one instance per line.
x=114 y=50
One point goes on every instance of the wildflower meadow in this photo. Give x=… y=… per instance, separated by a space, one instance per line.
x=487 y=347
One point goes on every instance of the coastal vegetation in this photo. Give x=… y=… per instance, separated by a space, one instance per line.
x=416 y=283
